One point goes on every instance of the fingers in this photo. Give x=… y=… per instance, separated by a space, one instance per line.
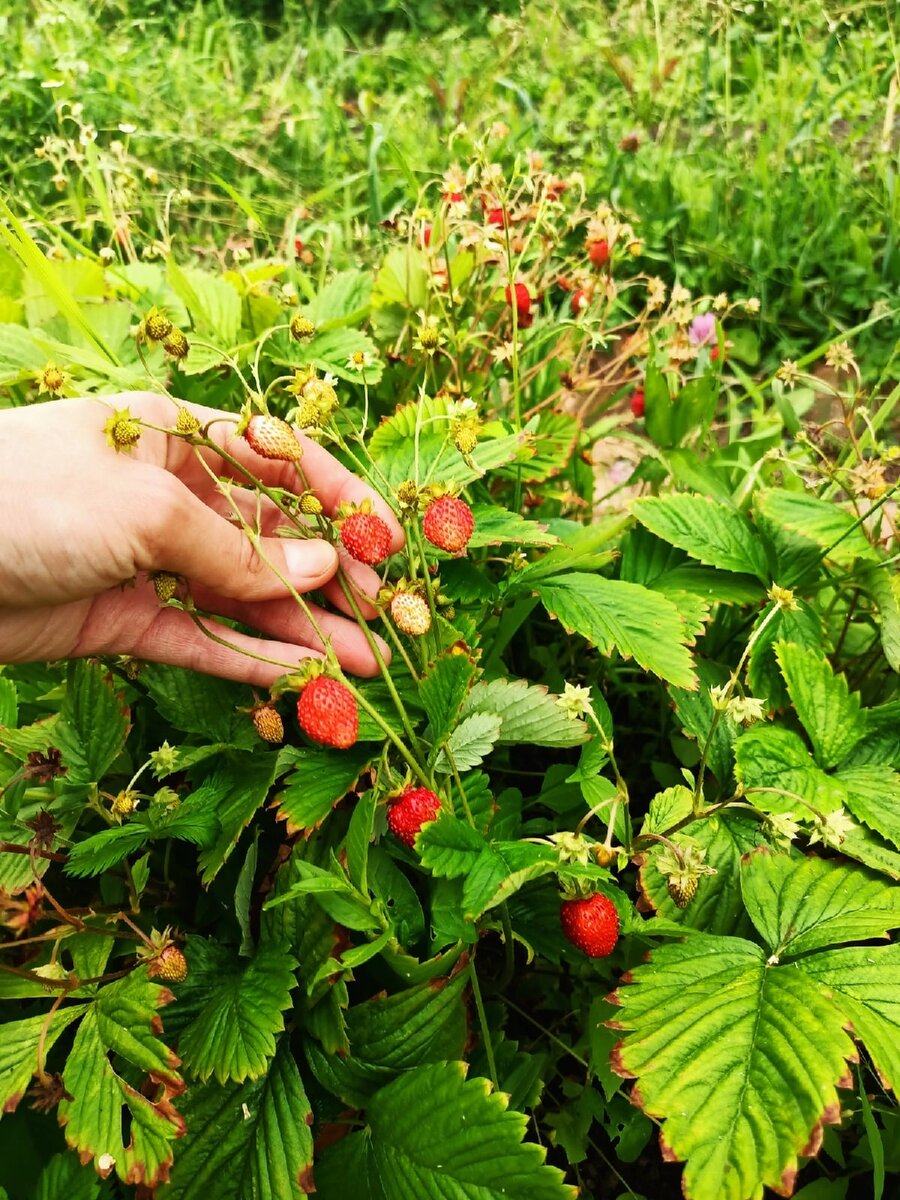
x=332 y=482
x=181 y=534
x=173 y=638
x=284 y=620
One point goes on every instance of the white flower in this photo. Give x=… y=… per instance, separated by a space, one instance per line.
x=575 y=701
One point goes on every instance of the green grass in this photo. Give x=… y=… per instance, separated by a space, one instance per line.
x=768 y=140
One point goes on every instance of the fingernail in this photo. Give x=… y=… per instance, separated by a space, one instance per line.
x=309 y=559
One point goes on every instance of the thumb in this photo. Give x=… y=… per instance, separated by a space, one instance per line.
x=187 y=538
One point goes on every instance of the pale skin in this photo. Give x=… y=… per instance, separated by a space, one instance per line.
x=82 y=527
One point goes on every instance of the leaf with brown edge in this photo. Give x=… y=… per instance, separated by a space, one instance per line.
x=738 y=1057
x=19 y=1047
x=247 y=1139
x=123 y=1022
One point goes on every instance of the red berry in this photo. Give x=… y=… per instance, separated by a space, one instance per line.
x=271 y=437
x=448 y=524
x=415 y=808
x=714 y=353
x=366 y=537
x=637 y=402
x=426 y=236
x=592 y=924
x=522 y=300
x=327 y=713
x=580 y=301
x=598 y=252
x=496 y=216
x=453 y=197
x=298 y=247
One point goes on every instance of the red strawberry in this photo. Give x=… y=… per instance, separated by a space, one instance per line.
x=637 y=402
x=580 y=301
x=327 y=713
x=522 y=300
x=366 y=537
x=592 y=924
x=271 y=437
x=496 y=216
x=170 y=965
x=714 y=354
x=598 y=252
x=453 y=197
x=426 y=236
x=448 y=524
x=298 y=247
x=414 y=809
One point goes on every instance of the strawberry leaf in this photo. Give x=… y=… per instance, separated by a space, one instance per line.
x=123 y=1022
x=93 y=724
x=831 y=715
x=639 y=623
x=865 y=982
x=739 y=1058
x=390 y=1035
x=64 y=1178
x=528 y=713
x=320 y=780
x=238 y=1004
x=805 y=905
x=246 y=1139
x=716 y=534
x=18 y=1051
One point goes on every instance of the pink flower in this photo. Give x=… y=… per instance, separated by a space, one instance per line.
x=703 y=329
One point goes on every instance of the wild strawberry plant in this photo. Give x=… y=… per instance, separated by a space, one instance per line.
x=607 y=848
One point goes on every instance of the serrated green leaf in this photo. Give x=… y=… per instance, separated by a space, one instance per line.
x=819 y=521
x=122 y=1021
x=739 y=1059
x=103 y=850
x=443 y=689
x=798 y=906
x=434 y=1133
x=873 y=796
x=499 y=873
x=200 y=704
x=716 y=534
x=470 y=742
x=801 y=626
x=232 y=1036
x=717 y=906
x=93 y=722
x=831 y=715
x=321 y=779
x=495 y=525
x=884 y=589
x=299 y=922
x=772 y=757
x=213 y=304
x=236 y=791
x=865 y=983
x=246 y=1141
x=583 y=550
x=344 y=297
x=18 y=1051
x=528 y=713
x=390 y=1035
x=64 y=1178
x=393 y=446
x=449 y=848
x=639 y=623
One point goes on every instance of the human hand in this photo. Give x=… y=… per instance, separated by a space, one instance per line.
x=79 y=521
